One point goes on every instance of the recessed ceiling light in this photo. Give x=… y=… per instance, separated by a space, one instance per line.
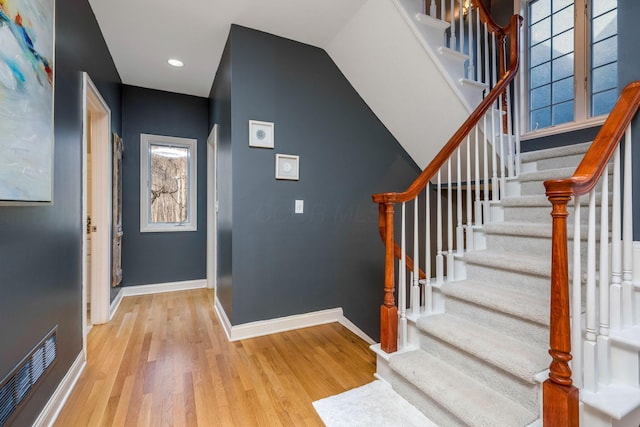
x=175 y=62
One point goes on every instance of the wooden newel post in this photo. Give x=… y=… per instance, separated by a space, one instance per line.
x=560 y=397
x=388 y=310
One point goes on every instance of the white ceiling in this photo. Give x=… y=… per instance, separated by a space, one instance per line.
x=143 y=34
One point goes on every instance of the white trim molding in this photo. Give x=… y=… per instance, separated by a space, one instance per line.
x=636 y=262
x=115 y=304
x=55 y=404
x=172 y=146
x=287 y=323
x=156 y=288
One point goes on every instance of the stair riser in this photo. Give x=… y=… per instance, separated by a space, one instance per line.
x=559 y=162
x=533 y=245
x=542 y=214
x=625 y=364
x=528 y=283
x=519 y=244
x=532 y=188
x=515 y=327
x=436 y=413
x=525 y=394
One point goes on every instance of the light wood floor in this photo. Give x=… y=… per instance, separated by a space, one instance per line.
x=165 y=361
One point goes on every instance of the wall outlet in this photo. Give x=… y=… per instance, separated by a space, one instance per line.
x=299 y=206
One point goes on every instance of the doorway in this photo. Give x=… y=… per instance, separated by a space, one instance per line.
x=96 y=207
x=212 y=208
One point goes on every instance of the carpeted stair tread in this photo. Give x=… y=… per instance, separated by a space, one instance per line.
x=450 y=388
x=530 y=264
x=513 y=356
x=568 y=150
x=534 y=308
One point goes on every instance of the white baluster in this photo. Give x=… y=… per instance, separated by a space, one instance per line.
x=503 y=181
x=487 y=203
x=469 y=192
x=470 y=69
x=603 y=286
x=615 y=290
x=487 y=74
x=439 y=256
x=459 y=229
x=494 y=182
x=627 y=236
x=427 y=253
x=510 y=149
x=415 y=290
x=516 y=131
x=576 y=300
x=494 y=166
x=452 y=38
x=478 y=202
x=450 y=272
x=478 y=49
x=461 y=19
x=590 y=362
x=432 y=9
x=443 y=11
x=402 y=288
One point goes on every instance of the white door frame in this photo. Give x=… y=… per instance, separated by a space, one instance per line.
x=96 y=119
x=212 y=208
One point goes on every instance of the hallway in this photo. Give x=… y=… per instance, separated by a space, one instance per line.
x=164 y=361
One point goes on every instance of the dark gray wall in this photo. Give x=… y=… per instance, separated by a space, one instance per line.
x=40 y=249
x=149 y=258
x=629 y=71
x=220 y=112
x=330 y=256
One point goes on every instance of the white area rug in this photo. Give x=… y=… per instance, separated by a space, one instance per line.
x=374 y=404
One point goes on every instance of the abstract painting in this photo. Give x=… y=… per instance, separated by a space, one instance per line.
x=26 y=100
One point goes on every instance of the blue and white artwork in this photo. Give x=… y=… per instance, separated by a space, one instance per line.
x=26 y=100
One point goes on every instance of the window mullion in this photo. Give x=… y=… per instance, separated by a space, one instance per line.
x=581 y=67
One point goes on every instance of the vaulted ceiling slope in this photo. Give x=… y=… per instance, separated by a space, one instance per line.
x=143 y=34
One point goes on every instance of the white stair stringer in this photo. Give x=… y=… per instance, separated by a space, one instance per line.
x=493 y=336
x=402 y=77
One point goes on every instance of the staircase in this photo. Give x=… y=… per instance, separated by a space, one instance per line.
x=503 y=318
x=479 y=362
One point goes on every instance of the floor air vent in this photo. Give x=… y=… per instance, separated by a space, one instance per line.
x=15 y=388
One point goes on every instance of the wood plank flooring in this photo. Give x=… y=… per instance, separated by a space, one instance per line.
x=164 y=360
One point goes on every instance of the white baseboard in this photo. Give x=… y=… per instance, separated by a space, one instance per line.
x=224 y=320
x=353 y=328
x=55 y=404
x=128 y=291
x=115 y=304
x=288 y=323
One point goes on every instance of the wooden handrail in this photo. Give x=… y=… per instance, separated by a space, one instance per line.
x=486 y=17
x=603 y=146
x=386 y=201
x=560 y=396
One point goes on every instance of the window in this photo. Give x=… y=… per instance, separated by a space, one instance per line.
x=168 y=199
x=571 y=61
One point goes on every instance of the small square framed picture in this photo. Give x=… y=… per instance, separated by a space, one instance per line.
x=260 y=134
x=287 y=167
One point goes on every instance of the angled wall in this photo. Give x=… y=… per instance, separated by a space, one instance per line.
x=284 y=263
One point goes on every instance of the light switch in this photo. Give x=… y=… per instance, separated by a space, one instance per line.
x=299 y=206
